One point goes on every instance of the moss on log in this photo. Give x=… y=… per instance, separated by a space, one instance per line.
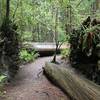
x=78 y=88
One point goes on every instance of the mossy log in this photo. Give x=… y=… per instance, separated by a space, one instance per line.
x=77 y=87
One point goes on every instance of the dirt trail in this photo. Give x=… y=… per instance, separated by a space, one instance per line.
x=31 y=84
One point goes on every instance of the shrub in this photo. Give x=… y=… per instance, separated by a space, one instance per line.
x=27 y=56
x=3 y=78
x=65 y=53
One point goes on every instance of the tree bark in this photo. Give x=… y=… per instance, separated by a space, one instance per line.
x=7 y=9
x=56 y=35
x=78 y=88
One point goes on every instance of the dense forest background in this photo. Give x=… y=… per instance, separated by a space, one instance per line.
x=45 y=20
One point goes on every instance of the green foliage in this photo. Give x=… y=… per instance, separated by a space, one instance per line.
x=85 y=4
x=65 y=53
x=27 y=36
x=37 y=17
x=84 y=47
x=2 y=11
x=91 y=38
x=62 y=37
x=27 y=56
x=85 y=40
x=3 y=78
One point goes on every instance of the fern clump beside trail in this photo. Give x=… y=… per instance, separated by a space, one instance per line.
x=27 y=55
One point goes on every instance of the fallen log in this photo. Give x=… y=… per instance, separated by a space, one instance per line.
x=78 y=88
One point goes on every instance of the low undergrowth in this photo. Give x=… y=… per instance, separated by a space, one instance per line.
x=28 y=55
x=65 y=53
x=3 y=79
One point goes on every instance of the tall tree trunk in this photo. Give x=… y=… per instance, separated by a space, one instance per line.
x=56 y=35
x=68 y=24
x=7 y=9
x=97 y=4
x=70 y=16
x=94 y=7
x=38 y=32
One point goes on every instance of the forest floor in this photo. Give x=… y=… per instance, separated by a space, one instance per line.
x=31 y=84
